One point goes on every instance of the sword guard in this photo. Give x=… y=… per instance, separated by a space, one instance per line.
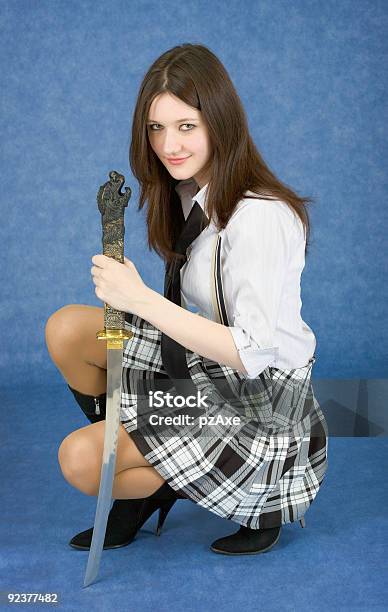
x=114 y=337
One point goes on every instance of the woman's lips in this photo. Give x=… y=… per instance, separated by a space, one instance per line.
x=177 y=160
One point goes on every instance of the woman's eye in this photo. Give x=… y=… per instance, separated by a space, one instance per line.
x=152 y=125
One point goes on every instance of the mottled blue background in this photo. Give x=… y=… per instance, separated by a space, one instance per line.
x=312 y=76
x=313 y=79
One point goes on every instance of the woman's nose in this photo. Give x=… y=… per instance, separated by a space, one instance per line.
x=171 y=143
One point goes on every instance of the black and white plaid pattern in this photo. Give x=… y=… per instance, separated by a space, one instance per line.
x=261 y=473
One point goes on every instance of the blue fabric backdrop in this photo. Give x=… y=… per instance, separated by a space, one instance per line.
x=313 y=80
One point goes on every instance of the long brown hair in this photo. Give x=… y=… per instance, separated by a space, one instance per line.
x=196 y=76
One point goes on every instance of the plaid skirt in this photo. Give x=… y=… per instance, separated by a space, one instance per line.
x=256 y=455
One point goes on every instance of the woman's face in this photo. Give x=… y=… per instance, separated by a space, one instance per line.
x=176 y=130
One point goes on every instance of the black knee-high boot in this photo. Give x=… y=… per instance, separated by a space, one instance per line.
x=124 y=513
x=94 y=407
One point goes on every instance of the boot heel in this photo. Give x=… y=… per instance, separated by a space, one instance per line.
x=302 y=522
x=163 y=511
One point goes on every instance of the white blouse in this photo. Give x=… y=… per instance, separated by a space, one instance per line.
x=262 y=259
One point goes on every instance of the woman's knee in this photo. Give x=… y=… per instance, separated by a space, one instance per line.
x=61 y=330
x=71 y=332
x=79 y=462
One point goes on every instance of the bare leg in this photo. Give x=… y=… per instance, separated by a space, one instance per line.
x=81 y=358
x=73 y=347
x=80 y=458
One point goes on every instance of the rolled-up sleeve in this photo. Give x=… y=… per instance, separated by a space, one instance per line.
x=257 y=253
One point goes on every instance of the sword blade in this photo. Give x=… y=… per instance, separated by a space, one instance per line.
x=112 y=422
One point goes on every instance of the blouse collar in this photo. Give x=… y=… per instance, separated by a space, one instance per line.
x=187 y=190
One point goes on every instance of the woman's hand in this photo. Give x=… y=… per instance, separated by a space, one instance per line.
x=118 y=284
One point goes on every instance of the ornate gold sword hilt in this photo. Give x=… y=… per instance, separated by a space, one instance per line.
x=111 y=204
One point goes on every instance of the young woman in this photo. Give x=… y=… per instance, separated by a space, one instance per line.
x=187 y=109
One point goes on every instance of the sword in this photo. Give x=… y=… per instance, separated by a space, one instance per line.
x=111 y=203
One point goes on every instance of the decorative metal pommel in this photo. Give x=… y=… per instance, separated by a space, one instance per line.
x=111 y=204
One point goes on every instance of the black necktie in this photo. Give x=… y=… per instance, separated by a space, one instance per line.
x=173 y=353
